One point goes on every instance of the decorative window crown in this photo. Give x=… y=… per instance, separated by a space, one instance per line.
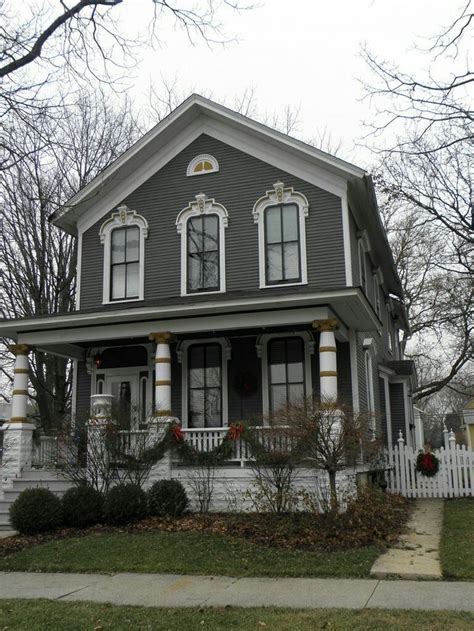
x=202 y=164
x=124 y=217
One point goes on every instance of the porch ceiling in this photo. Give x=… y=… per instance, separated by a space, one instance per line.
x=348 y=305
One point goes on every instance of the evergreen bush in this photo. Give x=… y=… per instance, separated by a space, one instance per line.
x=167 y=498
x=36 y=510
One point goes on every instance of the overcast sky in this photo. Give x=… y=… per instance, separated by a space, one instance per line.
x=301 y=52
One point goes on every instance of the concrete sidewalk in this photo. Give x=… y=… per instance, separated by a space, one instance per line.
x=166 y=590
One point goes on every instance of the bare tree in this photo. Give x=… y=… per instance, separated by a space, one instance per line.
x=37 y=260
x=425 y=122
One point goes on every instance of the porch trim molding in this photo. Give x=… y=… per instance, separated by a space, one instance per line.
x=182 y=354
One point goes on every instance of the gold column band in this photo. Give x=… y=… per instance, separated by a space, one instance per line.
x=18 y=419
x=25 y=392
x=21 y=371
x=331 y=324
x=19 y=349
x=162 y=338
x=327 y=349
x=163 y=382
x=163 y=413
x=328 y=373
x=163 y=360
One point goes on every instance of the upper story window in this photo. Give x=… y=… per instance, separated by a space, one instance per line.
x=123 y=235
x=202 y=164
x=201 y=225
x=376 y=281
x=280 y=216
x=203 y=253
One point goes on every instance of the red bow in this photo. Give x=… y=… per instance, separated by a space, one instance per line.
x=235 y=431
x=177 y=433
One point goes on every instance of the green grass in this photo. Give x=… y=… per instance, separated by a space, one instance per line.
x=185 y=553
x=43 y=614
x=457 y=541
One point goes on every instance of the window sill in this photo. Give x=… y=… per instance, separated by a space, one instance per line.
x=120 y=302
x=203 y=293
x=283 y=285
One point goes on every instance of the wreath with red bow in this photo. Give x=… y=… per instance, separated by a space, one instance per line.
x=427 y=464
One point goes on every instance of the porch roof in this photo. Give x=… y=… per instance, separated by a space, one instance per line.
x=349 y=306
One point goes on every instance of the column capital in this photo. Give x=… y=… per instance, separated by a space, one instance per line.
x=331 y=324
x=164 y=337
x=19 y=349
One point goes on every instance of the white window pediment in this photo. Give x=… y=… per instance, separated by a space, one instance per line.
x=203 y=207
x=120 y=220
x=289 y=251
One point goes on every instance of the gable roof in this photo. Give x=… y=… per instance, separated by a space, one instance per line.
x=197 y=115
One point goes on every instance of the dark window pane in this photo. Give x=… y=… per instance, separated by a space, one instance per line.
x=194 y=272
x=133 y=243
x=290 y=223
x=291 y=261
x=118 y=282
x=274 y=263
x=295 y=394
x=278 y=397
x=196 y=408
x=286 y=369
x=211 y=233
x=273 y=224
x=213 y=407
x=210 y=269
x=195 y=234
x=118 y=246
x=132 y=280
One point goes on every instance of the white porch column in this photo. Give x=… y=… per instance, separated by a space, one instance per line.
x=162 y=373
x=327 y=359
x=18 y=433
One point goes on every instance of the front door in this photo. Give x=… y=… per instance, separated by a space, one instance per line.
x=124 y=388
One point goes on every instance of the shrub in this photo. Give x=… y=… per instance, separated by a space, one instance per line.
x=82 y=506
x=36 y=510
x=167 y=498
x=125 y=503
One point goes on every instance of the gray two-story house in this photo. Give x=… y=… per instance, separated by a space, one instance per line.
x=226 y=270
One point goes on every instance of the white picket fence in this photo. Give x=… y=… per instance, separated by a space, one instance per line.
x=455 y=477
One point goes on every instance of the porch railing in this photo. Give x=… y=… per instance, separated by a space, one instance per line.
x=205 y=440
x=45 y=452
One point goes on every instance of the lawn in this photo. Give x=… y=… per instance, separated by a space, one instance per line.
x=457 y=541
x=188 y=552
x=43 y=614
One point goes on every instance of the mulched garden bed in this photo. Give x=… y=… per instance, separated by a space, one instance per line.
x=374 y=518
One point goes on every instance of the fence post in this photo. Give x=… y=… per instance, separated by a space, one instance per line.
x=403 y=463
x=445 y=437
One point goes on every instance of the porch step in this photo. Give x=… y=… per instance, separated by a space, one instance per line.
x=11 y=495
x=52 y=485
x=40 y=474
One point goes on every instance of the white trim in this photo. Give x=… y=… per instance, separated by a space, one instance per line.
x=203 y=157
x=202 y=206
x=123 y=218
x=408 y=437
x=182 y=354
x=377 y=301
x=346 y=233
x=75 y=364
x=277 y=196
x=388 y=412
x=354 y=371
x=369 y=353
x=262 y=352
x=78 y=271
x=362 y=267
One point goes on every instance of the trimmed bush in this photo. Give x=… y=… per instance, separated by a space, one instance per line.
x=82 y=506
x=125 y=503
x=167 y=498
x=36 y=510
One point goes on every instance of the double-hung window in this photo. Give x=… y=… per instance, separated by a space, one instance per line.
x=286 y=372
x=125 y=263
x=282 y=244
x=204 y=385
x=202 y=227
x=280 y=215
x=203 y=253
x=123 y=236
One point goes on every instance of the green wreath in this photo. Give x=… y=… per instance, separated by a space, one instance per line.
x=427 y=464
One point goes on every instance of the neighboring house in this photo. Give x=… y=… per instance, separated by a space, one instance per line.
x=224 y=270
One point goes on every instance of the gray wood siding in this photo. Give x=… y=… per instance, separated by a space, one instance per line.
x=240 y=181
x=383 y=415
x=344 y=380
x=397 y=411
x=354 y=251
